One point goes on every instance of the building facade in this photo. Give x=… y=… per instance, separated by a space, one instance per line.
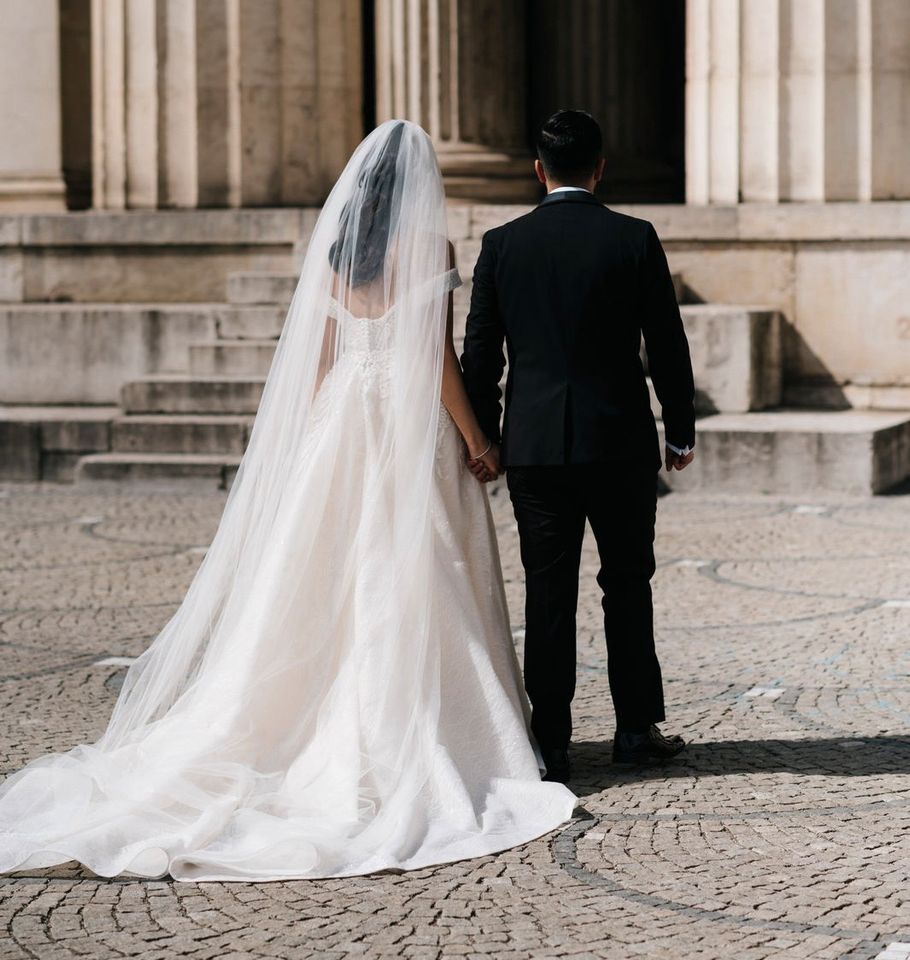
x=138 y=104
x=154 y=147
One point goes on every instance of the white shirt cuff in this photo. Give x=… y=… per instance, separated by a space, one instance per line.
x=681 y=451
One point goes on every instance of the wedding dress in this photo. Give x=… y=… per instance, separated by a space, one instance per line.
x=338 y=692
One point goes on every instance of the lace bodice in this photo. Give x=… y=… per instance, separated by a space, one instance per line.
x=373 y=335
x=365 y=334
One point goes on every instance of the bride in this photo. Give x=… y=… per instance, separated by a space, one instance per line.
x=338 y=692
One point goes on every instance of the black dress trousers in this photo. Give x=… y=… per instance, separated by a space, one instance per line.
x=551 y=505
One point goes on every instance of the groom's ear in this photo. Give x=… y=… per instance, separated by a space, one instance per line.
x=599 y=169
x=541 y=173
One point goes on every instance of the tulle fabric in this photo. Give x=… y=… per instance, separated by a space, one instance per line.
x=338 y=692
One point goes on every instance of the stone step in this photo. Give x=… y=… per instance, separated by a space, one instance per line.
x=134 y=256
x=737 y=353
x=45 y=442
x=704 y=406
x=679 y=287
x=736 y=356
x=85 y=351
x=785 y=451
x=77 y=353
x=253 y=322
x=777 y=452
x=262 y=288
x=216 y=357
x=180 y=433
x=176 y=393
x=172 y=471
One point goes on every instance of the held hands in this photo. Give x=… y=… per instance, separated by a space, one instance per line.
x=485 y=463
x=676 y=461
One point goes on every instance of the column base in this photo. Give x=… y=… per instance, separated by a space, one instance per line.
x=476 y=173
x=32 y=195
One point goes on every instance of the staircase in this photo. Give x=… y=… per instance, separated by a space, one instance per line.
x=747 y=443
x=190 y=429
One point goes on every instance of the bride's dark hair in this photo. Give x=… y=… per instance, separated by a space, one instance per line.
x=370 y=212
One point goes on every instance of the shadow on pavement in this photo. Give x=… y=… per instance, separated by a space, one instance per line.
x=593 y=769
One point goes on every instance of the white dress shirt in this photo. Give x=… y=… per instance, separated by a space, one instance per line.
x=681 y=451
x=564 y=189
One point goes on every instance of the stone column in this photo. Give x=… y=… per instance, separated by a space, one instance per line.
x=756 y=93
x=143 y=104
x=31 y=176
x=723 y=100
x=223 y=102
x=889 y=99
x=457 y=68
x=797 y=100
x=698 y=109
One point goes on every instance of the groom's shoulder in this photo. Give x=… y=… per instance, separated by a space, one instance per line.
x=522 y=221
x=610 y=220
x=625 y=221
x=606 y=215
x=496 y=233
x=631 y=233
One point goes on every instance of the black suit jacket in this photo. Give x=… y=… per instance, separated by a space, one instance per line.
x=571 y=287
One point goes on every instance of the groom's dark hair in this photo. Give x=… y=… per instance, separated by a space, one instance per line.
x=569 y=145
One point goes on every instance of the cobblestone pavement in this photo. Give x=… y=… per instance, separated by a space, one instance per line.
x=784 y=831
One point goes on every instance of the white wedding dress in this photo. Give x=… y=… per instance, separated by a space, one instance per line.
x=338 y=693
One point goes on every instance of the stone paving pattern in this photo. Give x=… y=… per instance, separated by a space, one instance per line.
x=784 y=830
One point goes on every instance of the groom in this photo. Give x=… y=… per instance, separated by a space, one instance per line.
x=571 y=287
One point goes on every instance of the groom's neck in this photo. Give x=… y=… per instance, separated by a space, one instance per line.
x=588 y=183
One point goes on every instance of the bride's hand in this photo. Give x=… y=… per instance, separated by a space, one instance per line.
x=485 y=466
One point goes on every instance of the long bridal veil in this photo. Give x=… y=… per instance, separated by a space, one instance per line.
x=217 y=742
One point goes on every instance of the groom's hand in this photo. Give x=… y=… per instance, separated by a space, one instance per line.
x=676 y=461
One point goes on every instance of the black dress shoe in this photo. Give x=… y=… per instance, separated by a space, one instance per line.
x=648 y=747
x=556 y=760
